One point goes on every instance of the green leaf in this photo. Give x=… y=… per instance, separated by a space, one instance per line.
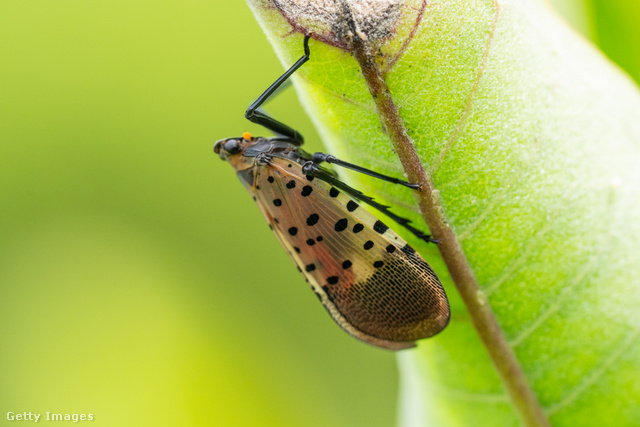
x=617 y=31
x=531 y=141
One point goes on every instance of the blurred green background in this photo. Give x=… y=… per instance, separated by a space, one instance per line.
x=138 y=282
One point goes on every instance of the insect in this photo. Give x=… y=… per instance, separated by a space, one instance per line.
x=373 y=284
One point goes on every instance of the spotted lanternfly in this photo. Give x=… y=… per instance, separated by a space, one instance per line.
x=374 y=285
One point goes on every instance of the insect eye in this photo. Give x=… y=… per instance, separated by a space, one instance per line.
x=232 y=146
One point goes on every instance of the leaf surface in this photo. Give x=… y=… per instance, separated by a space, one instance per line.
x=532 y=140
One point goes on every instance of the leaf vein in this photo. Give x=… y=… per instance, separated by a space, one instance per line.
x=470 y=99
x=595 y=375
x=339 y=96
x=531 y=244
x=406 y=43
x=587 y=270
x=566 y=293
x=510 y=185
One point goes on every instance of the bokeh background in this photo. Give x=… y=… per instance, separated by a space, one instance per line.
x=138 y=282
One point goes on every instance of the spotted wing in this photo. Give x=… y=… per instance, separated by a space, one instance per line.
x=374 y=285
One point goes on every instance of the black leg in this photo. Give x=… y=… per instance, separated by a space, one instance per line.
x=323 y=157
x=256 y=116
x=311 y=168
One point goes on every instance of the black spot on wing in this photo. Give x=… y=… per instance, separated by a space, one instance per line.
x=342 y=224
x=332 y=280
x=311 y=242
x=277 y=202
x=293 y=231
x=358 y=228
x=391 y=249
x=346 y=264
x=368 y=245
x=306 y=190
x=270 y=179
x=291 y=184
x=352 y=206
x=334 y=192
x=380 y=227
x=310 y=177
x=313 y=219
x=319 y=238
x=309 y=268
x=378 y=264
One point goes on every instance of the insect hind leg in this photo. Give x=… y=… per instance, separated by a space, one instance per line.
x=311 y=168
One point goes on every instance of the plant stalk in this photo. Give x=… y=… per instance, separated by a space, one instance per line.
x=482 y=317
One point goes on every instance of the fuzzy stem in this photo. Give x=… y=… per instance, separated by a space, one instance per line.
x=486 y=324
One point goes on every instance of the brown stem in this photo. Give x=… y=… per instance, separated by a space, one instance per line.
x=502 y=355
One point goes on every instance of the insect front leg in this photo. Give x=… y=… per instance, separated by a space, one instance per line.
x=311 y=168
x=324 y=157
x=260 y=117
